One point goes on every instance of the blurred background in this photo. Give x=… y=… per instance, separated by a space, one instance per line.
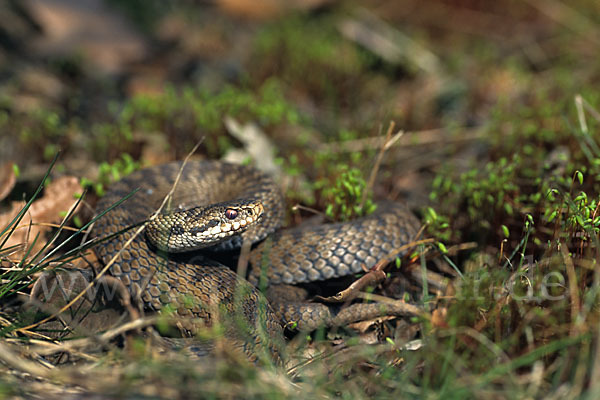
x=98 y=79
x=485 y=115
x=482 y=98
x=308 y=90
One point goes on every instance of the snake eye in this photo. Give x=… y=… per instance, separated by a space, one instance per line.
x=231 y=213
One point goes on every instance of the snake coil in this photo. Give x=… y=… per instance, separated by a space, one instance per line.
x=206 y=198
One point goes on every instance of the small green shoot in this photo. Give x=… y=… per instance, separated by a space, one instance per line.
x=345 y=195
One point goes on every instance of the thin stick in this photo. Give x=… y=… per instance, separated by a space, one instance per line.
x=49 y=225
x=569 y=17
x=409 y=308
x=312 y=210
x=45 y=344
x=71 y=345
x=413 y=138
x=573 y=291
x=389 y=141
x=15 y=361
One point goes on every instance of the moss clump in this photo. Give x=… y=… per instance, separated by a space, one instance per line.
x=344 y=197
x=190 y=114
x=184 y=115
x=111 y=172
x=310 y=55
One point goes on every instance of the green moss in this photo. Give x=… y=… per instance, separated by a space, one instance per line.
x=488 y=193
x=309 y=54
x=551 y=154
x=576 y=214
x=189 y=114
x=344 y=197
x=41 y=131
x=184 y=115
x=111 y=172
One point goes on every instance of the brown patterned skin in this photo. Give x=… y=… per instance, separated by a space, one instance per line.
x=195 y=285
x=334 y=250
x=302 y=255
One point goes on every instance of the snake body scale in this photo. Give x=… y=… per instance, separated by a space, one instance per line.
x=208 y=194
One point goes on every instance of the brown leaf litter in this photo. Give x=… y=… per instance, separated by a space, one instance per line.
x=59 y=196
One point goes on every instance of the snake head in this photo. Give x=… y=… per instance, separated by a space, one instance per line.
x=201 y=227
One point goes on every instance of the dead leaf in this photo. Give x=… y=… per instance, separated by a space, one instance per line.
x=259 y=147
x=87 y=27
x=7 y=179
x=58 y=197
x=438 y=318
x=372 y=331
x=363 y=326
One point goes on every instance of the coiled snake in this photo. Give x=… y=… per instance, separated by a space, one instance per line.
x=217 y=199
